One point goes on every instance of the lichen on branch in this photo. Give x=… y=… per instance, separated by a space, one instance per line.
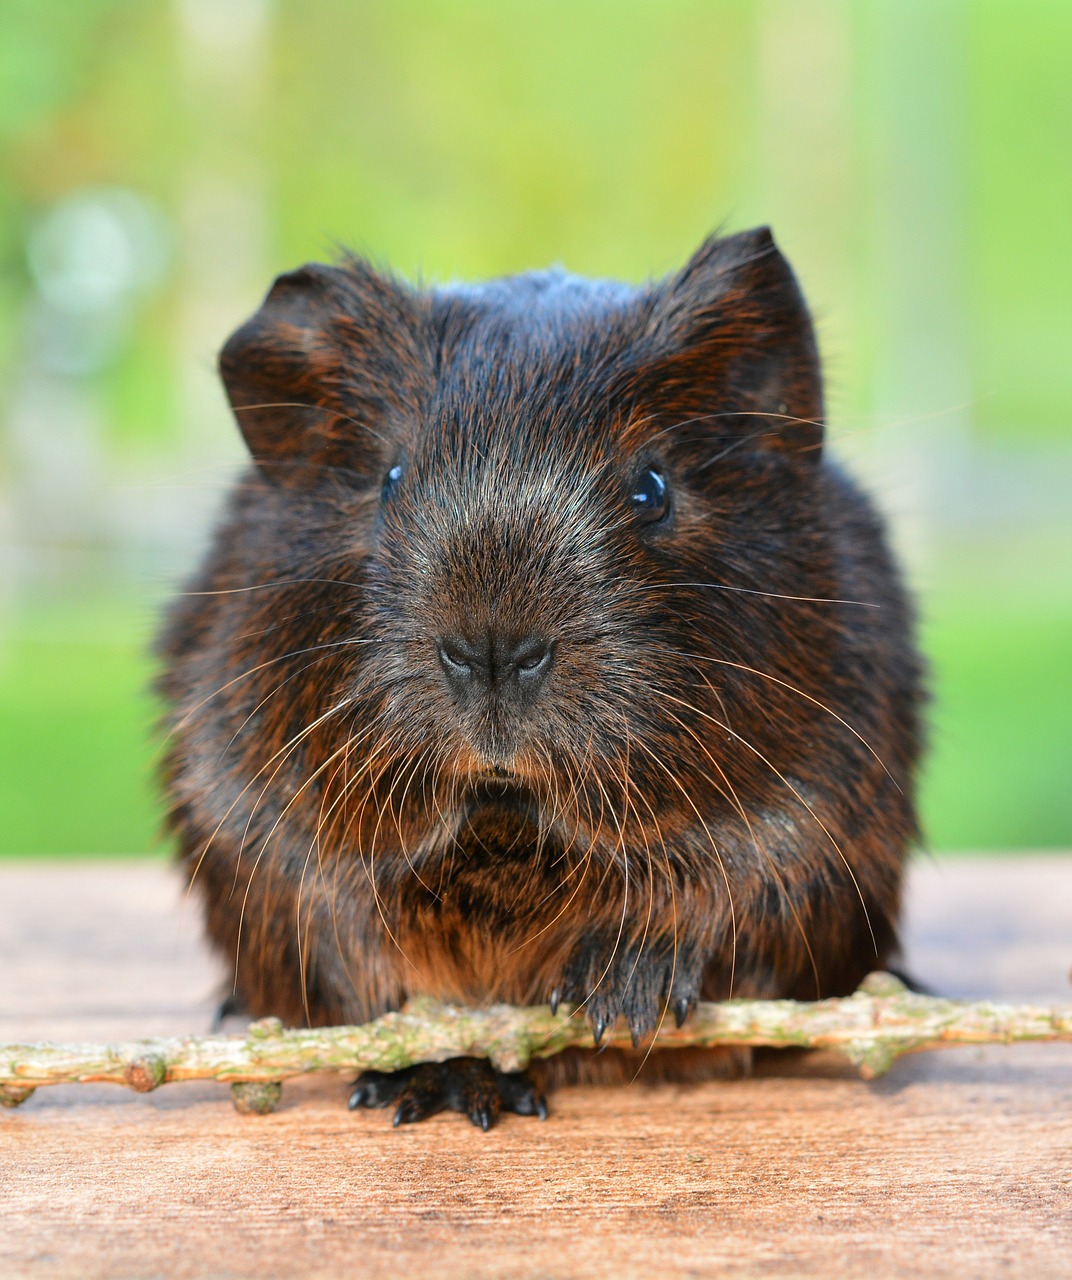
x=873 y=1027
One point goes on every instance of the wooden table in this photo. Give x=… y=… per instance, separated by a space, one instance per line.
x=957 y=1163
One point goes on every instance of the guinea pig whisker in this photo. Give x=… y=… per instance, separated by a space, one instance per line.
x=304 y=943
x=574 y=870
x=752 y=591
x=370 y=870
x=772 y=424
x=781 y=422
x=610 y=845
x=274 y=583
x=389 y=762
x=401 y=777
x=674 y=934
x=370 y=862
x=549 y=785
x=448 y=788
x=586 y=863
x=414 y=767
x=625 y=899
x=328 y=410
x=333 y=892
x=714 y=849
x=591 y=785
x=670 y=883
x=352 y=742
x=430 y=780
x=448 y=817
x=571 y=805
x=647 y=850
x=725 y=788
x=765 y=675
x=761 y=850
x=453 y=801
x=284 y=751
x=283 y=755
x=285 y=619
x=264 y=702
x=251 y=671
x=264 y=844
x=545 y=819
x=777 y=772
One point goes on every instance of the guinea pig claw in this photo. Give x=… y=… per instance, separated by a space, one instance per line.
x=375 y=1089
x=482 y=1118
x=554 y=1001
x=599 y=1028
x=409 y=1111
x=230 y=1006
x=682 y=1009
x=520 y=1094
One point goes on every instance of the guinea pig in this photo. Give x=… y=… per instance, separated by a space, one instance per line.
x=542 y=654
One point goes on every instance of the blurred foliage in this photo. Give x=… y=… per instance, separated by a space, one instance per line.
x=467 y=139
x=999 y=772
x=912 y=156
x=76 y=741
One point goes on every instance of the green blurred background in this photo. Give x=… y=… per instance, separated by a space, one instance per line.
x=162 y=160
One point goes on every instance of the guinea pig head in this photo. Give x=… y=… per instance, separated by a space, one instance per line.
x=532 y=486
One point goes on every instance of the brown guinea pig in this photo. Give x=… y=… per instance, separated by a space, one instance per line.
x=542 y=654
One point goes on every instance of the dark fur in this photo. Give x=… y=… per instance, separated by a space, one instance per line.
x=711 y=791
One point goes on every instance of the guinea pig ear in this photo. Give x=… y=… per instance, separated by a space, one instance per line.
x=734 y=347
x=315 y=375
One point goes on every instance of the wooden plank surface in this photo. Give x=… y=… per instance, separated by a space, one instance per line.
x=957 y=1162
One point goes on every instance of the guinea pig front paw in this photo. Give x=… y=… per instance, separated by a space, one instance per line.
x=471 y=1086
x=644 y=984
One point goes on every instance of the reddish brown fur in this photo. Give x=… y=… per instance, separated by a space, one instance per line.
x=709 y=793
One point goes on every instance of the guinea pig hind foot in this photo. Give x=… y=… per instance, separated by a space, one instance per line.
x=471 y=1086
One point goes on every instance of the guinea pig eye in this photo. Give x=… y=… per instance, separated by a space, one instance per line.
x=390 y=483
x=651 y=497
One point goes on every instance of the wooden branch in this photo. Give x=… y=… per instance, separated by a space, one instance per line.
x=872 y=1028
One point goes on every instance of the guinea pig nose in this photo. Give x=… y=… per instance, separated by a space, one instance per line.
x=464 y=661
x=494 y=661
x=528 y=661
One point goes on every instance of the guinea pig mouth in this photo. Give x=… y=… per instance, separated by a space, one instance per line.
x=500 y=791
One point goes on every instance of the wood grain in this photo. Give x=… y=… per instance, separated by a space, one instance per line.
x=958 y=1162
